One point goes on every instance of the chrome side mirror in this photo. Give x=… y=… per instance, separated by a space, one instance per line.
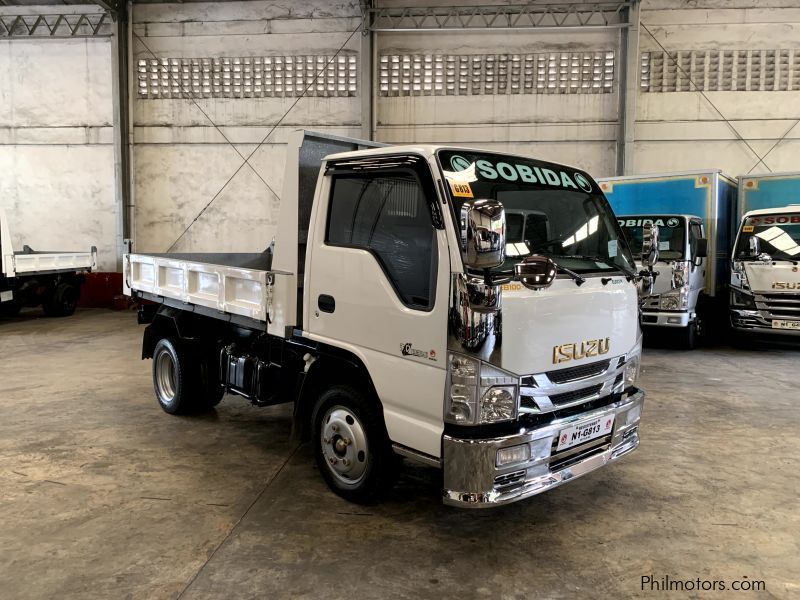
x=644 y=284
x=755 y=246
x=483 y=234
x=650 y=245
x=535 y=272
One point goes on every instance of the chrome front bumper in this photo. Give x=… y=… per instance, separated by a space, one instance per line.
x=752 y=321
x=667 y=319
x=472 y=479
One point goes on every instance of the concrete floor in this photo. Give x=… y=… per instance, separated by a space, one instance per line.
x=102 y=495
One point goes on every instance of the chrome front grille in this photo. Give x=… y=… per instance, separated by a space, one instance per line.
x=778 y=306
x=565 y=388
x=581 y=394
x=580 y=372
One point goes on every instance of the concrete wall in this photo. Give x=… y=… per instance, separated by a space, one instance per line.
x=577 y=129
x=56 y=152
x=56 y=156
x=181 y=161
x=682 y=130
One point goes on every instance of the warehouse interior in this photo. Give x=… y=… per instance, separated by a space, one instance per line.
x=155 y=127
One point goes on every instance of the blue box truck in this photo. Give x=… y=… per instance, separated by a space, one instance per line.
x=695 y=213
x=765 y=271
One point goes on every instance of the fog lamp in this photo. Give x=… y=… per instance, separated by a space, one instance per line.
x=513 y=455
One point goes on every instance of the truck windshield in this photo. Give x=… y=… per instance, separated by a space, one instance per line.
x=550 y=209
x=671 y=234
x=779 y=236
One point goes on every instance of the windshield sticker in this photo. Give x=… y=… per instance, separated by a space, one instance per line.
x=672 y=222
x=612 y=248
x=663 y=245
x=509 y=171
x=748 y=228
x=774 y=219
x=461 y=190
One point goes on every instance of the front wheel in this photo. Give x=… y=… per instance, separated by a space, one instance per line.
x=351 y=446
x=690 y=336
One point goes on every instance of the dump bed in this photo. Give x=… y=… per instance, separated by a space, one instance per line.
x=237 y=284
x=31 y=262
x=260 y=287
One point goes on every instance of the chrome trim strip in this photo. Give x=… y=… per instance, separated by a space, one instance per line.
x=421 y=457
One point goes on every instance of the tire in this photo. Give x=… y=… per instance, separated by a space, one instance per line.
x=351 y=445
x=210 y=391
x=690 y=336
x=10 y=309
x=63 y=301
x=174 y=376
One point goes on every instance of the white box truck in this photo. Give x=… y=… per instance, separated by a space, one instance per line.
x=404 y=316
x=51 y=279
x=695 y=212
x=765 y=273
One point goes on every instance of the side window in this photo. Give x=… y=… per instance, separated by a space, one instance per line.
x=695 y=233
x=389 y=216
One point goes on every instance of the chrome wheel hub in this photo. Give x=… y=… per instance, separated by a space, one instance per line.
x=165 y=377
x=344 y=445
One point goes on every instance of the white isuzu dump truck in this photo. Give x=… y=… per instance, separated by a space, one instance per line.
x=765 y=274
x=470 y=310
x=49 y=279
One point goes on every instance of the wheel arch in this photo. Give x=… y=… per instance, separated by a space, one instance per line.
x=326 y=367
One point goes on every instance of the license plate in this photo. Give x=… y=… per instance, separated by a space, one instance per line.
x=786 y=324
x=578 y=434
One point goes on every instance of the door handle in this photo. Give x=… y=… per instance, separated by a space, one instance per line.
x=326 y=303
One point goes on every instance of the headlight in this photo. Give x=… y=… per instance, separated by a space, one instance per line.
x=673 y=300
x=680 y=274
x=632 y=372
x=479 y=393
x=632 y=363
x=742 y=299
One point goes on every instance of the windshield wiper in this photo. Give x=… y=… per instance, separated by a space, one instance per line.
x=579 y=281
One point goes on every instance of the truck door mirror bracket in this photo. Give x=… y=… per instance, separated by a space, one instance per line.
x=483 y=234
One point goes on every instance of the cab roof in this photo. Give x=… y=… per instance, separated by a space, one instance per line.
x=789 y=208
x=429 y=150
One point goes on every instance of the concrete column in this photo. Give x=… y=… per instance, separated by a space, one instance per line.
x=367 y=79
x=628 y=91
x=122 y=165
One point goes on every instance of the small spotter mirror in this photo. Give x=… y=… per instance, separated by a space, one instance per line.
x=535 y=272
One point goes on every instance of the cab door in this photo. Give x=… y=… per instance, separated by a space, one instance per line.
x=377 y=282
x=697 y=273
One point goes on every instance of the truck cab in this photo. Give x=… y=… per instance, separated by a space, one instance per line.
x=765 y=278
x=681 y=271
x=470 y=310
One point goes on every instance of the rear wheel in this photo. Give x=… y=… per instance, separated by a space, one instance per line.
x=63 y=301
x=10 y=309
x=351 y=446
